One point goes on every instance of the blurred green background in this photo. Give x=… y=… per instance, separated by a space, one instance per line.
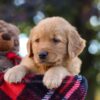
x=84 y=14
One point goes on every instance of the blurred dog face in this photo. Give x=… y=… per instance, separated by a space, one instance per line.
x=8 y=36
x=53 y=41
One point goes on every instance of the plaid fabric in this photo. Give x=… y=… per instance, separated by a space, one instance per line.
x=8 y=60
x=31 y=88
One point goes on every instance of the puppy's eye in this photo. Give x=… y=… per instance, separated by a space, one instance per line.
x=37 y=40
x=55 y=40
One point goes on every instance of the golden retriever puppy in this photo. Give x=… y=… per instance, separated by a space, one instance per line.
x=53 y=49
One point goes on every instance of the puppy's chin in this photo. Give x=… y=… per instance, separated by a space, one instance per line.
x=45 y=64
x=42 y=67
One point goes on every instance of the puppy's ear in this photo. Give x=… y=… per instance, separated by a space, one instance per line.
x=75 y=44
x=29 y=48
x=29 y=44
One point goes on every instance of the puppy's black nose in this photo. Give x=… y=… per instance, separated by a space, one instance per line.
x=6 y=37
x=43 y=55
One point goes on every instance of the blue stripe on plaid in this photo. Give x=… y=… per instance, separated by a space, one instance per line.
x=48 y=95
x=79 y=77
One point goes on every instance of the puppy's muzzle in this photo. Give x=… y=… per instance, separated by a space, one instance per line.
x=6 y=37
x=43 y=55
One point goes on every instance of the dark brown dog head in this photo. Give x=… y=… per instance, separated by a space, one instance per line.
x=8 y=37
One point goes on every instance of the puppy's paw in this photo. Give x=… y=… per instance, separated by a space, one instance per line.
x=54 y=77
x=15 y=74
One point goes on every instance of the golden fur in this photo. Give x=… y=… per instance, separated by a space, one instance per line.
x=61 y=40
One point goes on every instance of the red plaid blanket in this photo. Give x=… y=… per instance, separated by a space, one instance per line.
x=31 y=88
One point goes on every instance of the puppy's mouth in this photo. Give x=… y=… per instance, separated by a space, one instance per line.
x=46 y=62
x=49 y=62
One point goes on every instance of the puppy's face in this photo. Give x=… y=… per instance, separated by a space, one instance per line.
x=48 y=47
x=8 y=36
x=53 y=41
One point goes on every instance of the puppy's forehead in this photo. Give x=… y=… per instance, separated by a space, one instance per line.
x=52 y=26
x=47 y=32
